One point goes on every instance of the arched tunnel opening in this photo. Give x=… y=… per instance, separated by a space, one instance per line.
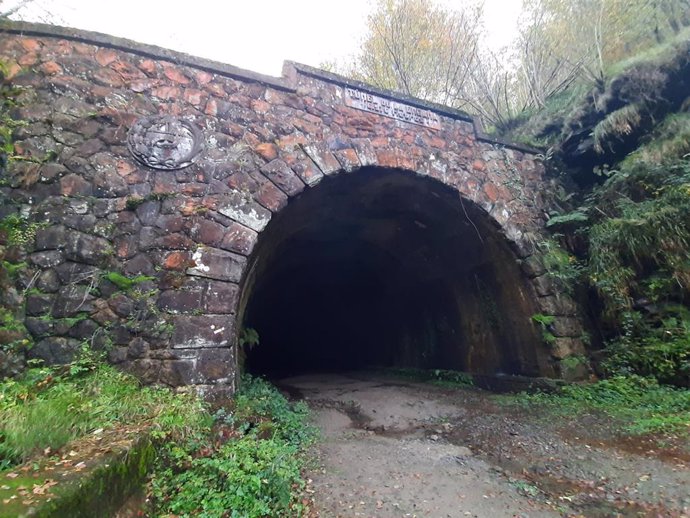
x=385 y=268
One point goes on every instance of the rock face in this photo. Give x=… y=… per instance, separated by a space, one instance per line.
x=179 y=218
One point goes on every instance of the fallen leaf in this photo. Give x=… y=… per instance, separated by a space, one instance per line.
x=12 y=475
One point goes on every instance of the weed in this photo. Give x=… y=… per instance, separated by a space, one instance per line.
x=640 y=405
x=253 y=472
x=441 y=377
x=76 y=399
x=545 y=322
x=125 y=283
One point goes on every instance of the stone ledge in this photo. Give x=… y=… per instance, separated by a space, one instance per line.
x=105 y=471
x=142 y=49
x=292 y=69
x=287 y=83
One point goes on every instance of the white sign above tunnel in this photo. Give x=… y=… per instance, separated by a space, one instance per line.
x=367 y=102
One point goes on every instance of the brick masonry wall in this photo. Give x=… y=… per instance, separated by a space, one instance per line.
x=191 y=232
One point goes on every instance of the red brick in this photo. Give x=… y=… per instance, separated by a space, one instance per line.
x=167 y=92
x=31 y=44
x=105 y=56
x=176 y=75
x=267 y=151
x=148 y=66
x=51 y=68
x=178 y=261
x=478 y=165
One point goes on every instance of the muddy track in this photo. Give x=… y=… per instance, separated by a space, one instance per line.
x=392 y=448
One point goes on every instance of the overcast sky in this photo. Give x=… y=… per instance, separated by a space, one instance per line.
x=256 y=35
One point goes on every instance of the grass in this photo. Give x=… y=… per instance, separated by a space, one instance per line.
x=654 y=54
x=245 y=461
x=641 y=405
x=247 y=465
x=669 y=141
x=48 y=407
x=440 y=377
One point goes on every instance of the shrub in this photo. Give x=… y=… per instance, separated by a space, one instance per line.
x=248 y=467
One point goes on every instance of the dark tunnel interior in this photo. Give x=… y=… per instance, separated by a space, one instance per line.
x=384 y=268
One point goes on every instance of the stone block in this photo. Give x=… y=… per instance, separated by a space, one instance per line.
x=280 y=174
x=187 y=299
x=348 y=159
x=566 y=327
x=195 y=332
x=207 y=232
x=221 y=297
x=148 y=212
x=55 y=350
x=73 y=299
x=177 y=373
x=138 y=348
x=38 y=327
x=77 y=273
x=543 y=285
x=239 y=239
x=47 y=258
x=38 y=304
x=85 y=329
x=308 y=172
x=244 y=211
x=217 y=264
x=48 y=281
x=75 y=185
x=86 y=248
x=51 y=238
x=121 y=304
x=558 y=305
x=214 y=365
x=323 y=158
x=533 y=266
x=148 y=371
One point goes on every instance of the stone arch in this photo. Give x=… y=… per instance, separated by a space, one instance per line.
x=465 y=311
x=191 y=231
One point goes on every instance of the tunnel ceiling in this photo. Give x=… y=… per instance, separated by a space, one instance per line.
x=385 y=268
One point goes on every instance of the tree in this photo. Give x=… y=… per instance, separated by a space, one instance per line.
x=7 y=9
x=420 y=49
x=424 y=50
x=563 y=39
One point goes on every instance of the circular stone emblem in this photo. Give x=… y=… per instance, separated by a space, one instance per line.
x=165 y=142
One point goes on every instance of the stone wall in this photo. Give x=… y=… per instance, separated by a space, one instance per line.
x=149 y=263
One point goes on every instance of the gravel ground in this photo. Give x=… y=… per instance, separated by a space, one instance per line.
x=394 y=448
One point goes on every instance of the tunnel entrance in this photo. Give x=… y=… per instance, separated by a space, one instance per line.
x=382 y=268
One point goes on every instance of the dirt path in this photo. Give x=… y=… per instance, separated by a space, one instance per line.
x=393 y=448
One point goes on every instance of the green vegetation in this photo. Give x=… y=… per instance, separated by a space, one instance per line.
x=13 y=333
x=248 y=465
x=544 y=322
x=125 y=283
x=441 y=377
x=46 y=408
x=636 y=257
x=639 y=404
x=8 y=94
x=247 y=458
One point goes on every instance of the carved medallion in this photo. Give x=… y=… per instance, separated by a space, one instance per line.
x=165 y=142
